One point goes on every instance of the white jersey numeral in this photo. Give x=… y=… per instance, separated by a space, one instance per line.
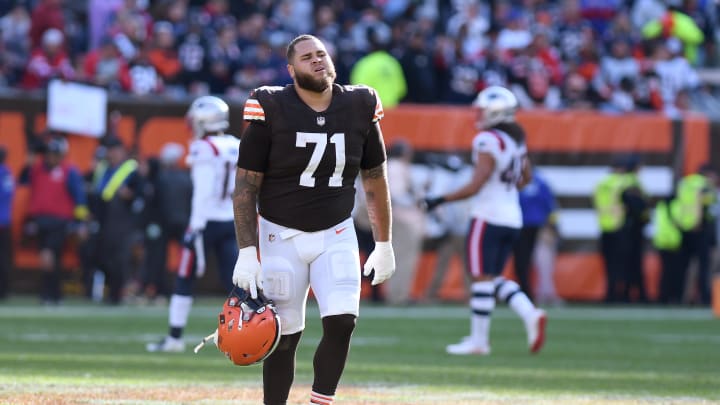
x=302 y=140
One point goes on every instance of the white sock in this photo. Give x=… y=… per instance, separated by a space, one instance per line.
x=509 y=291
x=482 y=303
x=179 y=311
x=322 y=399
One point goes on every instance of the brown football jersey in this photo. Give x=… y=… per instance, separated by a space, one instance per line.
x=310 y=159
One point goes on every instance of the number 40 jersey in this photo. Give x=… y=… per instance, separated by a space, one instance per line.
x=498 y=202
x=310 y=159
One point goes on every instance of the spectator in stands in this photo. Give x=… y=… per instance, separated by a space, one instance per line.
x=468 y=24
x=615 y=66
x=192 y=52
x=15 y=46
x=573 y=32
x=129 y=31
x=575 y=92
x=599 y=13
x=144 y=77
x=463 y=77
x=675 y=76
x=100 y=13
x=621 y=28
x=419 y=69
x=645 y=11
x=7 y=190
x=105 y=66
x=225 y=57
x=48 y=62
x=675 y=23
x=534 y=74
x=705 y=15
x=47 y=14
x=264 y=67
x=56 y=201
x=379 y=69
x=163 y=55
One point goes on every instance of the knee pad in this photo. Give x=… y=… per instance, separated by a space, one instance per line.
x=288 y=289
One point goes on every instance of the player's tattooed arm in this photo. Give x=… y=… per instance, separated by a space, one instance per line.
x=247 y=186
x=377 y=195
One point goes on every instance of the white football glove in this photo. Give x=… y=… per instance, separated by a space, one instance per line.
x=247 y=274
x=382 y=259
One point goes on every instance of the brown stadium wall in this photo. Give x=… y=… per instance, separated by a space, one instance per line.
x=561 y=140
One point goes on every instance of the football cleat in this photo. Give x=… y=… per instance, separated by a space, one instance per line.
x=467 y=346
x=167 y=345
x=536 y=330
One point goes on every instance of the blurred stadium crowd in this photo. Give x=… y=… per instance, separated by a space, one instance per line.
x=615 y=55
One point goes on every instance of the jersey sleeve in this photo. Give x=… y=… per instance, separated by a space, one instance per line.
x=486 y=142
x=253 y=110
x=201 y=151
x=254 y=147
x=379 y=112
x=374 y=151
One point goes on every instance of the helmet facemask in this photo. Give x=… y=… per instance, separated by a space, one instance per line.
x=248 y=329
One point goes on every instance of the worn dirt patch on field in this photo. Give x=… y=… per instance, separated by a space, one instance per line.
x=181 y=395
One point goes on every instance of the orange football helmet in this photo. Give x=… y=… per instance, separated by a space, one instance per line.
x=248 y=329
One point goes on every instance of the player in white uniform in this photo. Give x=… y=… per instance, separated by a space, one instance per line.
x=212 y=159
x=501 y=168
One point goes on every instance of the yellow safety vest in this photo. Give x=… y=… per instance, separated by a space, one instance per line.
x=608 y=202
x=667 y=235
x=691 y=196
x=118 y=178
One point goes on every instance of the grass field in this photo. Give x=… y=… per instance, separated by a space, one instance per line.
x=84 y=353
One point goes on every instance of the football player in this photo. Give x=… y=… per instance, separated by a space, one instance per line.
x=300 y=154
x=501 y=168
x=212 y=157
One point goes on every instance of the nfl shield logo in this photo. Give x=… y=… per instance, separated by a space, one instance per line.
x=321 y=121
x=271 y=237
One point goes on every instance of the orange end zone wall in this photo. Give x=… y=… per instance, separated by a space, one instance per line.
x=578 y=276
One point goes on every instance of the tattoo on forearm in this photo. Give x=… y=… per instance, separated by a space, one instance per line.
x=372 y=213
x=378 y=201
x=247 y=185
x=375 y=172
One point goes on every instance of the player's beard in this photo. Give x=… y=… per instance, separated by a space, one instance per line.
x=310 y=83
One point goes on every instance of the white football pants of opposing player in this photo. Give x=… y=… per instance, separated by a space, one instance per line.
x=293 y=261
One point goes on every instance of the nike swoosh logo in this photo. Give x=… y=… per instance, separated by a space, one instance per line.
x=341 y=230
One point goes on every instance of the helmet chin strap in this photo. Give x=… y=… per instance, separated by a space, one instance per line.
x=206 y=339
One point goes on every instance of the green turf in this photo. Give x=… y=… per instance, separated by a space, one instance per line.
x=663 y=355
